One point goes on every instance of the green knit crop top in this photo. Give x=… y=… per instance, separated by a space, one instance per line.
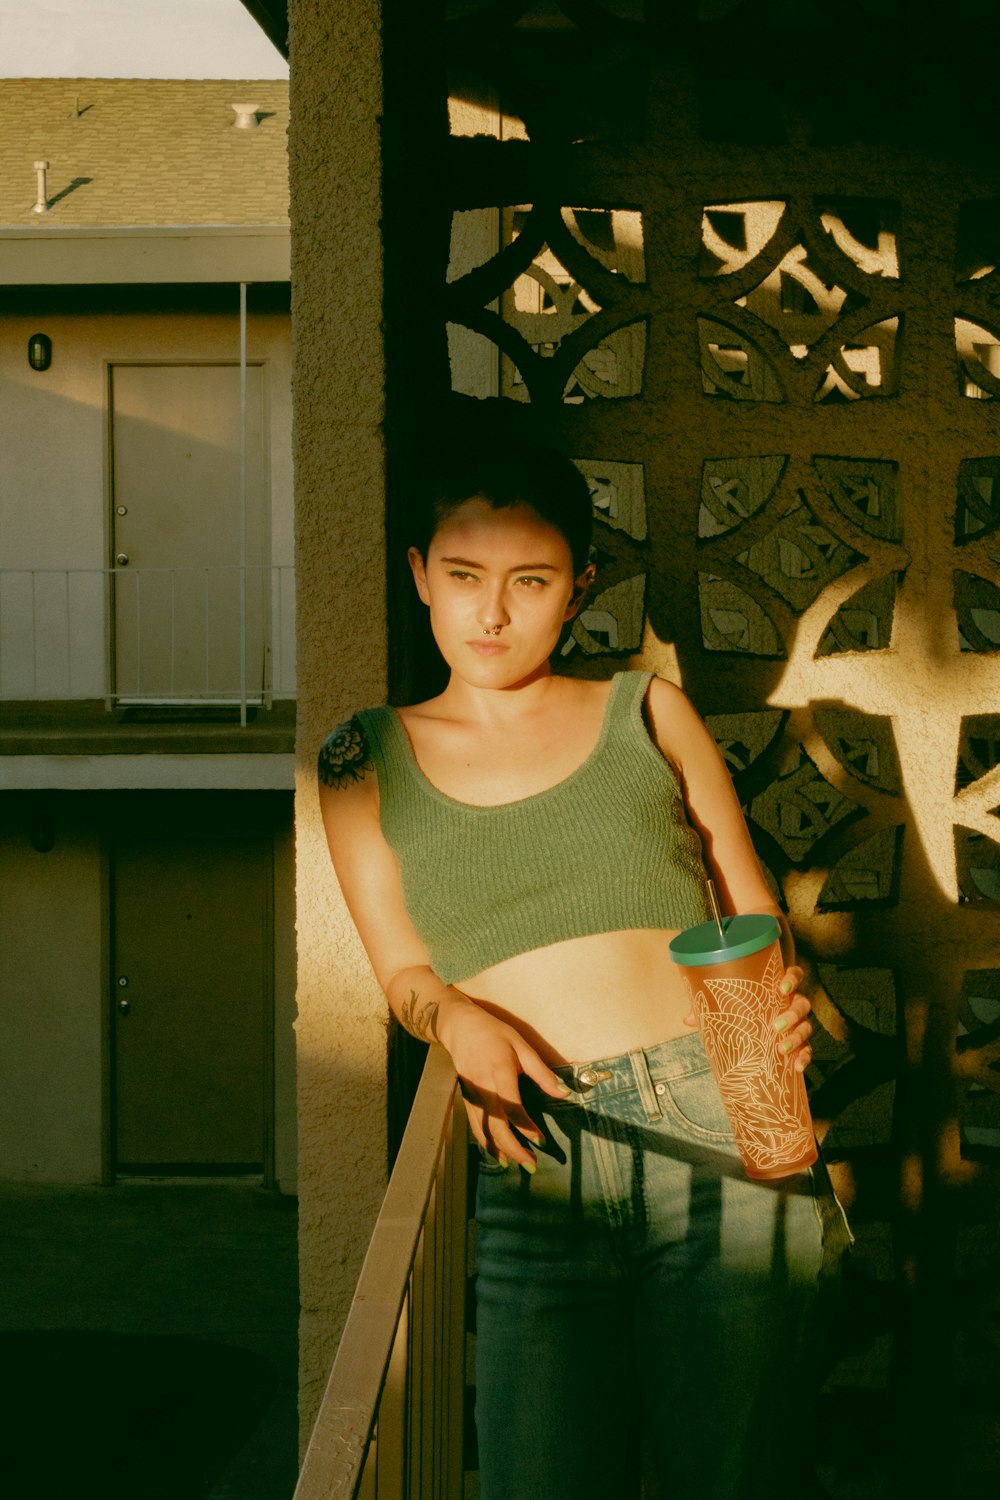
x=605 y=850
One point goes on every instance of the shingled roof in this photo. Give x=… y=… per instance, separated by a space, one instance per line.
x=143 y=151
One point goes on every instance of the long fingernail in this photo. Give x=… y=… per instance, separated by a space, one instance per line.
x=503 y=1162
x=781 y=1024
x=789 y=1045
x=564 y=1090
x=531 y=1167
x=785 y=987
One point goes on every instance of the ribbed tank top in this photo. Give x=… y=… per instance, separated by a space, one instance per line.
x=605 y=850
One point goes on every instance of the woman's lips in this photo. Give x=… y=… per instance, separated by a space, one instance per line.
x=488 y=648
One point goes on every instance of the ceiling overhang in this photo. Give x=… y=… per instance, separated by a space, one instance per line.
x=272 y=18
x=197 y=253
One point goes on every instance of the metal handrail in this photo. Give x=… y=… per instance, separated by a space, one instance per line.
x=57 y=625
x=391 y=1420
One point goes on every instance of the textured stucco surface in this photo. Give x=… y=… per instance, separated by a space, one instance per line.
x=891 y=963
x=905 y=1079
x=338 y=396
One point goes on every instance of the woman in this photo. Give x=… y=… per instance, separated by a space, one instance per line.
x=516 y=853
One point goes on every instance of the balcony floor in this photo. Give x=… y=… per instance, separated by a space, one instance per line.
x=148 y=1339
x=85 y=727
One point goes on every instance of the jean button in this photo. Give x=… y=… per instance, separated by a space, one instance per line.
x=661 y=1088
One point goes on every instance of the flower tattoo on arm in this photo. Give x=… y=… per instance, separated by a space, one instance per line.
x=344 y=756
x=420 y=1022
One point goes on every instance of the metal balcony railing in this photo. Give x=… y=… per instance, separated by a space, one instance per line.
x=148 y=635
x=391 y=1420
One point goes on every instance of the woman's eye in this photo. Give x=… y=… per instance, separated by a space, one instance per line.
x=529 y=581
x=457 y=573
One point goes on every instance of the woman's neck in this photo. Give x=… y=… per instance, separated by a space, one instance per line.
x=487 y=705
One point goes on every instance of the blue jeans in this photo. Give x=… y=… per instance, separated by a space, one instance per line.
x=639 y=1292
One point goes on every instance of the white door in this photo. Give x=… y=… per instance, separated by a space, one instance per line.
x=190 y=622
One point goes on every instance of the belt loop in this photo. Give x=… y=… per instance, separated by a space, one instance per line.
x=644 y=1083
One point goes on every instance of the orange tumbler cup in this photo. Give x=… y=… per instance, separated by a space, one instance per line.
x=734 y=977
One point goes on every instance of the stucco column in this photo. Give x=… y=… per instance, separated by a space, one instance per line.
x=338 y=393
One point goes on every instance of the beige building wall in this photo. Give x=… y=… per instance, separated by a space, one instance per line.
x=55 y=990
x=54 y=515
x=54 y=463
x=338 y=393
x=52 y=1001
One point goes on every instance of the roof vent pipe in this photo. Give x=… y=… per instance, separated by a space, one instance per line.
x=42 y=204
x=246 y=116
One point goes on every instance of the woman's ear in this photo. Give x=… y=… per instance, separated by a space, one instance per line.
x=417 y=568
x=580 y=590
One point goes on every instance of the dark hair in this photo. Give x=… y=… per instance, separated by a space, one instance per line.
x=504 y=475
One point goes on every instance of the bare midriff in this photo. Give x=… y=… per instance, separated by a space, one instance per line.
x=589 y=998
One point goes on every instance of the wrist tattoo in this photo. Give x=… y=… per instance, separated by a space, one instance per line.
x=420 y=1021
x=344 y=756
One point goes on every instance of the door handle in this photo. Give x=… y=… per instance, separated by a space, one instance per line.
x=122 y=559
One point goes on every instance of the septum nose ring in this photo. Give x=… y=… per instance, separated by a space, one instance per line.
x=492 y=629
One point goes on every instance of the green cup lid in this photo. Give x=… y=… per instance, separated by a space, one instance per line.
x=745 y=934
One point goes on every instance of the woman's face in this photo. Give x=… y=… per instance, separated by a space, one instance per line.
x=489 y=568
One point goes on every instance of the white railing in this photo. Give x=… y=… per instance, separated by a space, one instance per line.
x=195 y=634
x=391 y=1420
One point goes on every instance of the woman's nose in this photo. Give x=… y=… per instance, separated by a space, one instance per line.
x=493 y=608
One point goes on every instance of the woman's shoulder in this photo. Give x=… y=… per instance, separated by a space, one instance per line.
x=345 y=756
x=658 y=697
x=667 y=695
x=674 y=722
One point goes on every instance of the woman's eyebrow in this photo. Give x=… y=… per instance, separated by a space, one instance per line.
x=535 y=567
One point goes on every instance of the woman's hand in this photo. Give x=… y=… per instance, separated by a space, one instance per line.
x=791 y=1027
x=489 y=1057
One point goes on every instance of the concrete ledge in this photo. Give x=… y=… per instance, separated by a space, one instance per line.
x=83 y=727
x=197 y=253
x=147 y=772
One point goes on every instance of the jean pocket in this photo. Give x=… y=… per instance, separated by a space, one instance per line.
x=696 y=1099
x=488 y=1165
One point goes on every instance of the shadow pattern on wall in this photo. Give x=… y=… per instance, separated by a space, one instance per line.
x=698 y=251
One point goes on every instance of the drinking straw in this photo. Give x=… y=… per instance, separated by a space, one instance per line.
x=713 y=901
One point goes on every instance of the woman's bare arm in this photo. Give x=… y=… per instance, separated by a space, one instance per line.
x=489 y=1055
x=713 y=808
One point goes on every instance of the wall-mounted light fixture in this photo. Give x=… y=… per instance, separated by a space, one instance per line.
x=43 y=829
x=39 y=351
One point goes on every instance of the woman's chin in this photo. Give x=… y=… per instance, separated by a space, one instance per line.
x=496 y=668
